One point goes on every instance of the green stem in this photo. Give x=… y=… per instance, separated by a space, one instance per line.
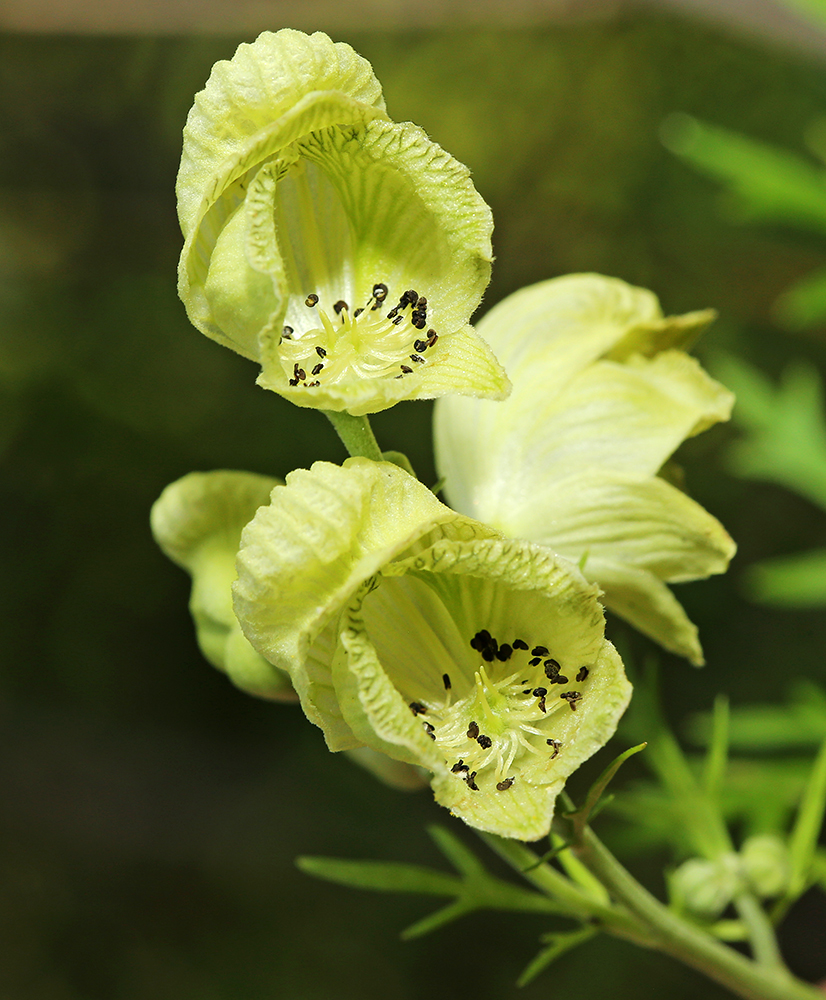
x=676 y=937
x=580 y=903
x=356 y=434
x=762 y=938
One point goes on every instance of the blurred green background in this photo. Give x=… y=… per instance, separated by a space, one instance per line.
x=149 y=812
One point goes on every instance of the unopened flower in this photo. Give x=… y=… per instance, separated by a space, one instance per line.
x=197 y=521
x=420 y=633
x=342 y=251
x=576 y=458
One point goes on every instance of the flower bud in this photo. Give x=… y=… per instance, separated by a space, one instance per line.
x=766 y=864
x=197 y=521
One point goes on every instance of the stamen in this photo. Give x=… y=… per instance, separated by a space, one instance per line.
x=582 y=674
x=311 y=300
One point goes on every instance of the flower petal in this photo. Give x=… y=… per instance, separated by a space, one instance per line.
x=382 y=603
x=632 y=534
x=401 y=635
x=571 y=459
x=304 y=557
x=197 y=522
x=297 y=213
x=232 y=119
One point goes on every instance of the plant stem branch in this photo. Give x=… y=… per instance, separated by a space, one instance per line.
x=685 y=942
x=356 y=434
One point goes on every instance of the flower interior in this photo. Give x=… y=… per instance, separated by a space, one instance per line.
x=499 y=702
x=339 y=341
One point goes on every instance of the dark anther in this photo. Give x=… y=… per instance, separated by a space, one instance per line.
x=421 y=303
x=358 y=312
x=485 y=742
x=484 y=635
x=582 y=674
x=446 y=681
x=540 y=692
x=572 y=697
x=556 y=744
x=539 y=651
x=321 y=352
x=471 y=781
x=300 y=374
x=417 y=359
x=293 y=381
x=311 y=300
x=312 y=385
x=526 y=691
x=432 y=337
x=317 y=368
x=397 y=320
x=380 y=292
x=459 y=766
x=520 y=644
x=473 y=730
x=551 y=669
x=488 y=654
x=504 y=652
x=288 y=332
x=393 y=312
x=406 y=369
x=417 y=708
x=503 y=786
x=412 y=296
x=535 y=661
x=418 y=321
x=341 y=304
x=562 y=679
x=430 y=730
x=421 y=347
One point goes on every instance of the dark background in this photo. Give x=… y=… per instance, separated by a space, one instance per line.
x=149 y=812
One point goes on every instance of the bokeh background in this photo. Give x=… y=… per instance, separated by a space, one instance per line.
x=150 y=813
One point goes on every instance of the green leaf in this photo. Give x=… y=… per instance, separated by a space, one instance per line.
x=381 y=876
x=460 y=856
x=714 y=770
x=595 y=792
x=559 y=943
x=786 y=426
x=795 y=581
x=804 y=836
x=804 y=303
x=769 y=183
x=799 y=723
x=436 y=920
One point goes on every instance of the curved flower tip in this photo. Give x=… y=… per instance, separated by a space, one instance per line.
x=342 y=251
x=428 y=637
x=197 y=522
x=602 y=398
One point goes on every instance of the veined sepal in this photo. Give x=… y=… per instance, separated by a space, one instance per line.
x=429 y=637
x=342 y=251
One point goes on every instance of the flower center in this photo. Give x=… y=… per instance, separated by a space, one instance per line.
x=372 y=341
x=508 y=717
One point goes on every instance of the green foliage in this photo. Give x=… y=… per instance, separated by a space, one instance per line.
x=473 y=889
x=764 y=183
x=785 y=443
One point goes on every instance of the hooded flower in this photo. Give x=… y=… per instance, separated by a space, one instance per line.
x=197 y=522
x=342 y=251
x=574 y=459
x=420 y=633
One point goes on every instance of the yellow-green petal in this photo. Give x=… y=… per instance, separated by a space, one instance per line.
x=601 y=401
x=197 y=522
x=316 y=218
x=404 y=625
